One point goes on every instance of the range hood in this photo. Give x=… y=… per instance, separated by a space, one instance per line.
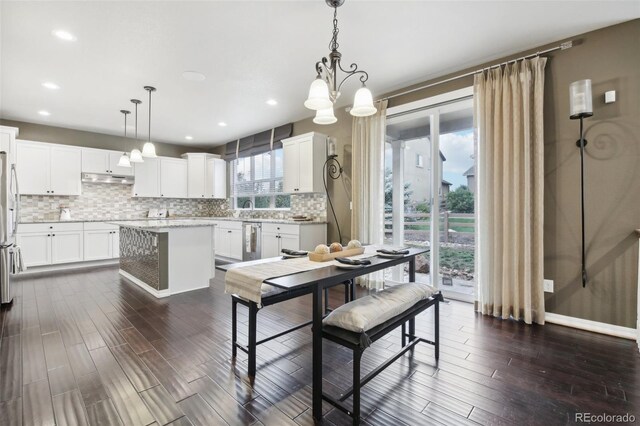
x=107 y=178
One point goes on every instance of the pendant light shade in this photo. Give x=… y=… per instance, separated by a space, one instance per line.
x=325 y=116
x=318 y=95
x=124 y=158
x=363 y=103
x=149 y=150
x=136 y=155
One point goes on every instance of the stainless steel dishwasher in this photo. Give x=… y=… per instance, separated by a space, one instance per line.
x=251 y=240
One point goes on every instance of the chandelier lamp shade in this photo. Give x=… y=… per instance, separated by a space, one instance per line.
x=124 y=158
x=149 y=150
x=325 y=88
x=136 y=154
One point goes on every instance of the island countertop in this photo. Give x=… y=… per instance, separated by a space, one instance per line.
x=163 y=224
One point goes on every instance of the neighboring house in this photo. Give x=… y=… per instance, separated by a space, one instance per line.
x=446 y=188
x=471 y=178
x=417 y=168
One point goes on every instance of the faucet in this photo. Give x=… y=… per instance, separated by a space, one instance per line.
x=244 y=205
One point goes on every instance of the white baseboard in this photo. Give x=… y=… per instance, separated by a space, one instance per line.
x=31 y=270
x=594 y=326
x=146 y=287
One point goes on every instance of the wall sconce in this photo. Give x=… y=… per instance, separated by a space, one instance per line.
x=581 y=107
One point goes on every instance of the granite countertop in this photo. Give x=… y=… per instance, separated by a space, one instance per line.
x=181 y=218
x=164 y=223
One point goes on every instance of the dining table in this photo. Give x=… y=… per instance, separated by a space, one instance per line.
x=315 y=281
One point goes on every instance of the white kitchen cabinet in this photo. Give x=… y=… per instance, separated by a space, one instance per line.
x=147 y=178
x=103 y=161
x=51 y=243
x=228 y=239
x=8 y=137
x=278 y=236
x=197 y=174
x=173 y=178
x=216 y=184
x=48 y=169
x=66 y=247
x=303 y=160
x=36 y=248
x=101 y=241
x=33 y=168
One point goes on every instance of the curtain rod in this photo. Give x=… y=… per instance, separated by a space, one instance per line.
x=563 y=46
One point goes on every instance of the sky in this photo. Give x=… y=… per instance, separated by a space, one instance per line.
x=458 y=150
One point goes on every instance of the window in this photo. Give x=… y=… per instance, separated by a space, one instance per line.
x=419 y=160
x=257 y=181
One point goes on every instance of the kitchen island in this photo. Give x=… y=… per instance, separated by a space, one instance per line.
x=166 y=257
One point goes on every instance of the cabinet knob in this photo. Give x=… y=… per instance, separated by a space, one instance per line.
x=52 y=192
x=48 y=235
x=53 y=235
x=48 y=192
x=51 y=227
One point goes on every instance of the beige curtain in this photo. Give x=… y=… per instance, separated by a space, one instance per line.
x=367 y=216
x=509 y=125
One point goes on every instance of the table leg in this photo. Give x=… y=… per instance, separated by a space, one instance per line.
x=317 y=353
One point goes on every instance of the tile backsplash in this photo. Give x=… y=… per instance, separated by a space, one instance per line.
x=111 y=201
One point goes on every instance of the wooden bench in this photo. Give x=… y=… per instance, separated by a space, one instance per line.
x=271 y=298
x=359 y=341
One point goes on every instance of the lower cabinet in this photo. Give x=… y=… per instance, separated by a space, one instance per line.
x=101 y=241
x=278 y=236
x=228 y=240
x=51 y=243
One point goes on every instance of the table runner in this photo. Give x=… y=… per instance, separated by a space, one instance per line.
x=248 y=281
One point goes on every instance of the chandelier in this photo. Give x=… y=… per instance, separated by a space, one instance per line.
x=325 y=89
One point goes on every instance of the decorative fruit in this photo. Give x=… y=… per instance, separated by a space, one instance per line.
x=321 y=249
x=354 y=244
x=334 y=247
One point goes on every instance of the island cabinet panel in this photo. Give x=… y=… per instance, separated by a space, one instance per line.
x=303 y=160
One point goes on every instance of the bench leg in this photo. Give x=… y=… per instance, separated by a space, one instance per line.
x=253 y=325
x=404 y=334
x=357 y=355
x=326 y=300
x=234 y=328
x=353 y=290
x=347 y=291
x=412 y=329
x=436 y=313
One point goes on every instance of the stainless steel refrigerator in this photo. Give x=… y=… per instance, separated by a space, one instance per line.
x=9 y=211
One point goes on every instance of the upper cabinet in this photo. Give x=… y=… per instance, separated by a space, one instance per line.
x=216 y=183
x=8 y=141
x=207 y=175
x=103 y=161
x=173 y=178
x=303 y=158
x=48 y=169
x=147 y=182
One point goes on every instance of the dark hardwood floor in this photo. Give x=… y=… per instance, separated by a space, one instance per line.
x=90 y=348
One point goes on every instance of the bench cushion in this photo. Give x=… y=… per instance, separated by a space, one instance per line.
x=367 y=312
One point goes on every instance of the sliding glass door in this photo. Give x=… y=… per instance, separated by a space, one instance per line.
x=430 y=192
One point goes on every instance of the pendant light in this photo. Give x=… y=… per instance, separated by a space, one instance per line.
x=136 y=155
x=149 y=150
x=124 y=159
x=325 y=89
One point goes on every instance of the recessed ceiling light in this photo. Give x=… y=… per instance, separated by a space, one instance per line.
x=272 y=102
x=193 y=76
x=45 y=113
x=50 y=85
x=189 y=138
x=64 y=35
x=222 y=124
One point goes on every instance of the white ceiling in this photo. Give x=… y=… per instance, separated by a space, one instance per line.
x=250 y=52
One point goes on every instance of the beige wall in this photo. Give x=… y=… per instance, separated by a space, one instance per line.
x=610 y=57
x=61 y=135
